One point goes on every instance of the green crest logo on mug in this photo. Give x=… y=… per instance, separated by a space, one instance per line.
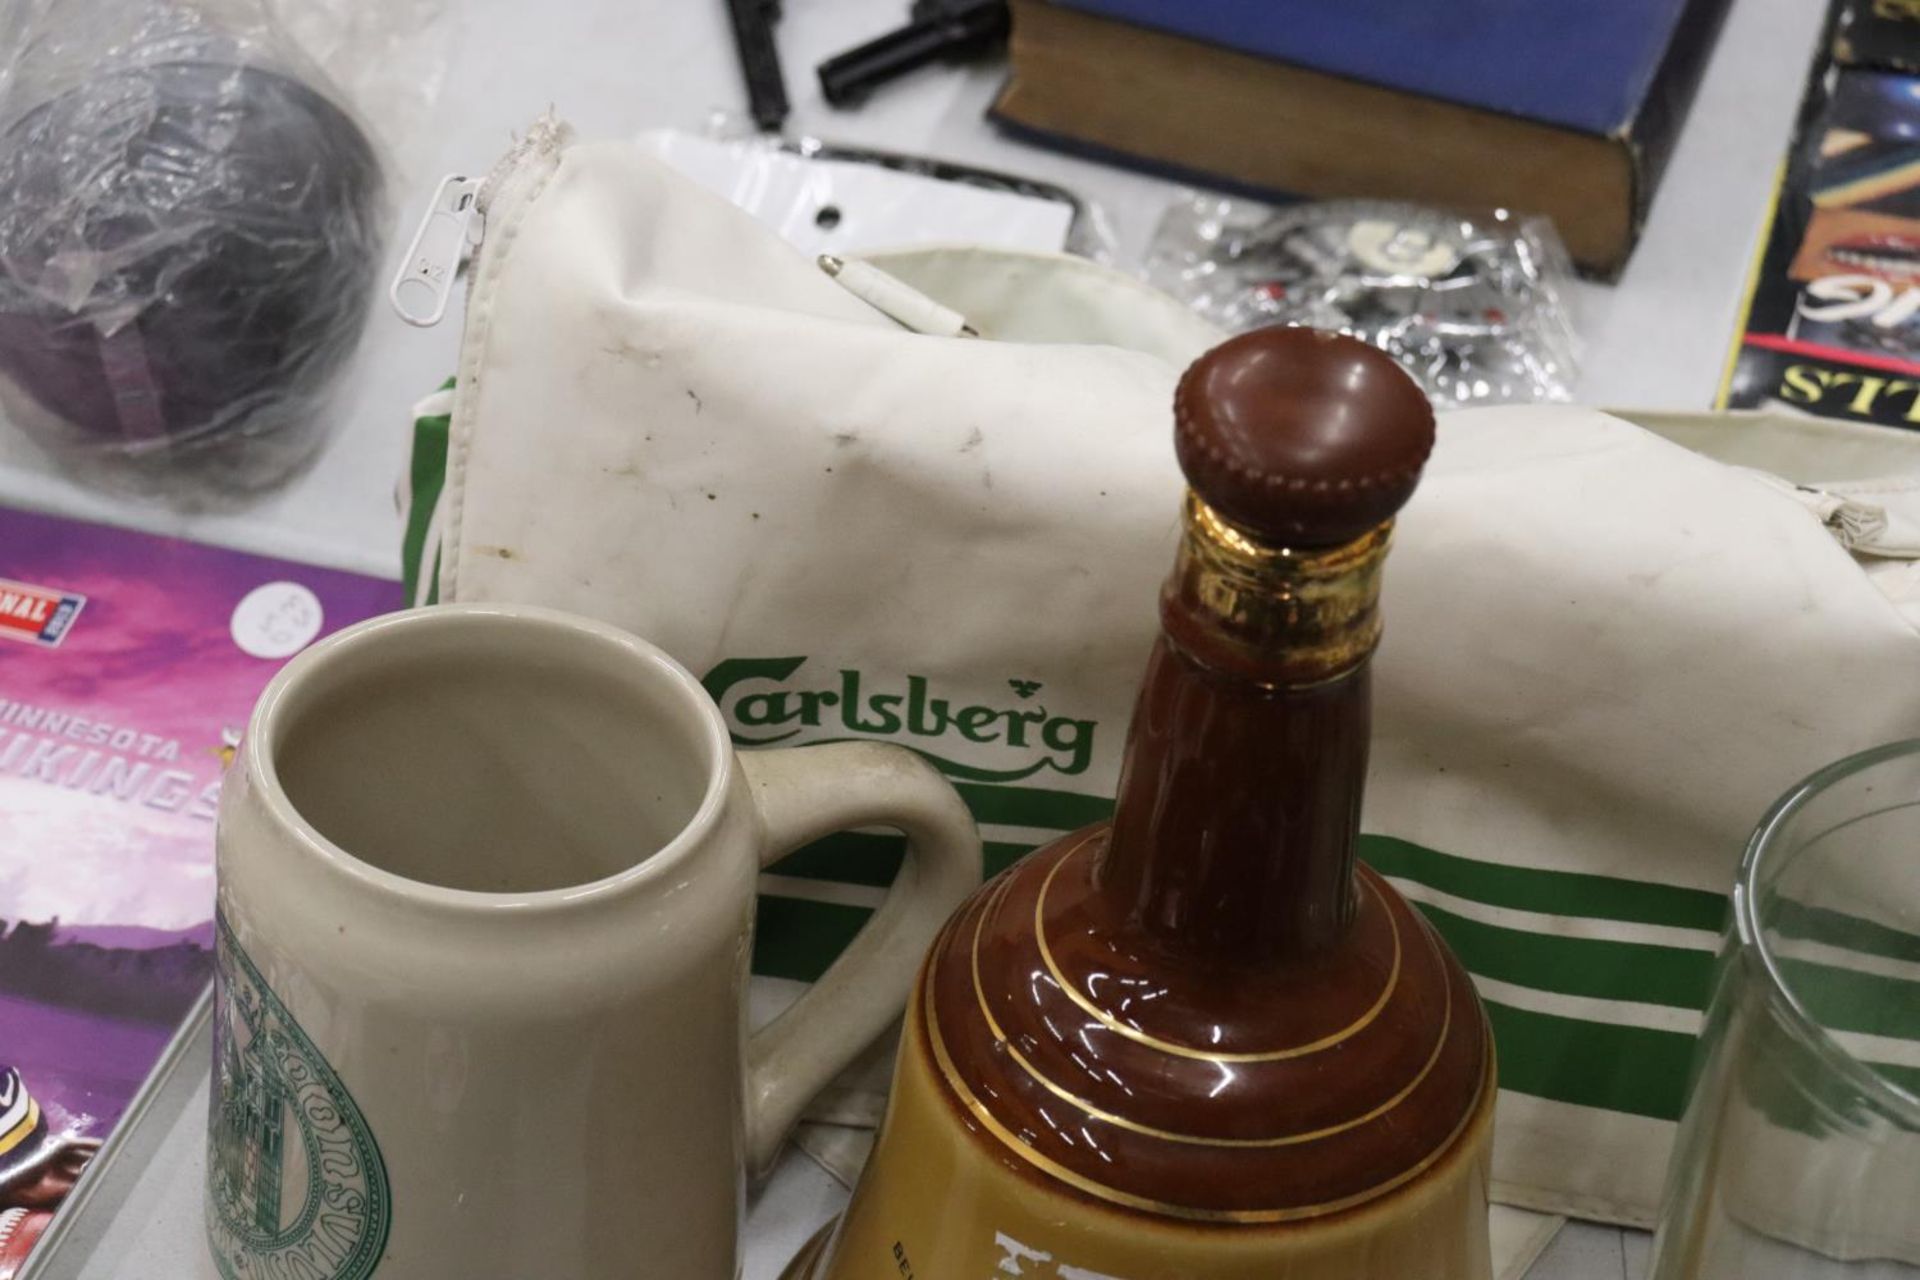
x=295 y=1184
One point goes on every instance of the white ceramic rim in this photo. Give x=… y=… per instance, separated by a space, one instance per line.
x=1766 y=846
x=397 y=629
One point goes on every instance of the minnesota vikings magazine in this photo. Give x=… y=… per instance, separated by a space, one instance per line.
x=128 y=665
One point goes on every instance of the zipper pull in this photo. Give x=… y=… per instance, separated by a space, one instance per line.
x=425 y=281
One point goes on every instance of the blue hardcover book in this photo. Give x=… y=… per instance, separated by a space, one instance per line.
x=1584 y=64
x=1563 y=107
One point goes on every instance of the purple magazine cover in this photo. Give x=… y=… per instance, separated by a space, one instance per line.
x=128 y=666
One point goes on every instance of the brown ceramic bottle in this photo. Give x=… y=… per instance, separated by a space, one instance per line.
x=1203 y=1040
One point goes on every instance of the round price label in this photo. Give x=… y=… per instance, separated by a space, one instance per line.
x=276 y=620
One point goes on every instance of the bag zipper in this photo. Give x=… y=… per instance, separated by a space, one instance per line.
x=451 y=230
x=424 y=283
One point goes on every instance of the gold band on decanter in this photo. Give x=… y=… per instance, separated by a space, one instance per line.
x=1288 y=617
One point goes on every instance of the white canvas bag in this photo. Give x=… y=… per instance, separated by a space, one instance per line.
x=1605 y=653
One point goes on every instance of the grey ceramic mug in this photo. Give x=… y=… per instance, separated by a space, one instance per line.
x=486 y=891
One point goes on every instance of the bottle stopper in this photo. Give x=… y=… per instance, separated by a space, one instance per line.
x=1301 y=438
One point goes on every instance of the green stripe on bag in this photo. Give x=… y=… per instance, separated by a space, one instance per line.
x=796 y=938
x=1556 y=893
x=857 y=857
x=1637 y=1070
x=1594 y=967
x=1819 y=924
x=1849 y=1000
x=426 y=479
x=1032 y=806
x=851 y=857
x=1907 y=1078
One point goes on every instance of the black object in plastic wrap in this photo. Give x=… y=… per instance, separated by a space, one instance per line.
x=186 y=254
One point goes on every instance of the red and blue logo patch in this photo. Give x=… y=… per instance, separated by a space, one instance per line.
x=37 y=615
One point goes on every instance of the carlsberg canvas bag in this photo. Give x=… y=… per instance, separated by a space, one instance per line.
x=1606 y=653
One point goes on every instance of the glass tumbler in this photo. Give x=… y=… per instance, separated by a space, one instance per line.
x=1799 y=1154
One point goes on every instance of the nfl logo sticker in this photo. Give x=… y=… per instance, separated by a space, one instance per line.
x=38 y=615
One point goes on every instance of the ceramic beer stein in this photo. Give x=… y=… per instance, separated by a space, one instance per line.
x=486 y=894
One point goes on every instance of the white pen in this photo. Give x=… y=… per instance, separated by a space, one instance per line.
x=900 y=302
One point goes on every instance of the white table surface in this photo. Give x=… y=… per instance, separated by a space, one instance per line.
x=1656 y=340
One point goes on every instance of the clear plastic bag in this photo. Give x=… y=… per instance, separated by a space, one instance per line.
x=191 y=223
x=1472 y=307
x=824 y=197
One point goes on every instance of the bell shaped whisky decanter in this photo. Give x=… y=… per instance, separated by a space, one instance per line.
x=1202 y=1040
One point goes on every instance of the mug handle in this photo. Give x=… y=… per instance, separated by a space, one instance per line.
x=802 y=794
